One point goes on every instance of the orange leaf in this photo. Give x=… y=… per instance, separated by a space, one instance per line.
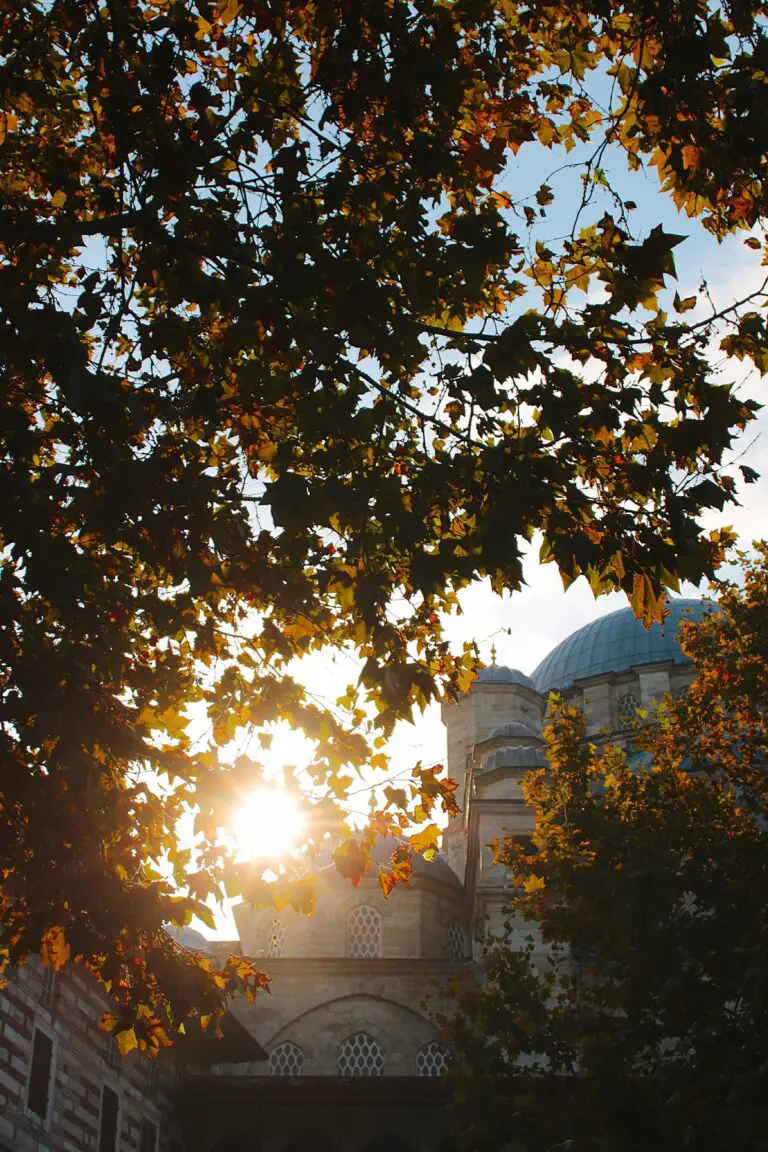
x=54 y=948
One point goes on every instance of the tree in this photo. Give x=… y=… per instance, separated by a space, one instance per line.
x=648 y=881
x=280 y=372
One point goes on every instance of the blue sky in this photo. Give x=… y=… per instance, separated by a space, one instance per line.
x=525 y=626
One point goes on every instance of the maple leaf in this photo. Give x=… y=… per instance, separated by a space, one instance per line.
x=301 y=399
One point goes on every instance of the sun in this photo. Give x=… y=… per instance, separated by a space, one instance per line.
x=268 y=824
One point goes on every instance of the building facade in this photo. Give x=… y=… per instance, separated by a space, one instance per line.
x=346 y=1055
x=63 y=1083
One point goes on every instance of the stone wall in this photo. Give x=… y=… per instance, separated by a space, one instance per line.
x=413 y=920
x=316 y=1005
x=320 y=996
x=469 y=722
x=67 y=1009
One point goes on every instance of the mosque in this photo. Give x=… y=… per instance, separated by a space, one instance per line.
x=344 y=1055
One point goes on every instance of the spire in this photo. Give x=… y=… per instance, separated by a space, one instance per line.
x=493 y=654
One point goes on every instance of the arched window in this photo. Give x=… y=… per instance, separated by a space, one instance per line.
x=432 y=1059
x=364 y=933
x=361 y=1055
x=454 y=942
x=275 y=938
x=286 y=1060
x=627 y=710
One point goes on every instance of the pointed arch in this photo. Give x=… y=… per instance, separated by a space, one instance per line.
x=286 y=1059
x=361 y=1055
x=432 y=1059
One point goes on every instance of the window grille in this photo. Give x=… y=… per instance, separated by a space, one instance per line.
x=39 y=1087
x=364 y=933
x=454 y=945
x=286 y=1060
x=110 y=1109
x=432 y=1059
x=276 y=938
x=628 y=710
x=361 y=1055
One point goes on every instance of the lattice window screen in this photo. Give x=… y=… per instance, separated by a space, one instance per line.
x=627 y=710
x=364 y=933
x=361 y=1055
x=276 y=938
x=286 y=1060
x=454 y=943
x=432 y=1059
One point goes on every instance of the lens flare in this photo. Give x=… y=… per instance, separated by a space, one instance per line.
x=268 y=824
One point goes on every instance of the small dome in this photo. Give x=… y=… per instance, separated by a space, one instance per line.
x=617 y=642
x=188 y=938
x=515 y=729
x=494 y=674
x=514 y=757
x=438 y=868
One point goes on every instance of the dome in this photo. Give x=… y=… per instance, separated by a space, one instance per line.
x=515 y=729
x=438 y=868
x=515 y=757
x=494 y=674
x=188 y=938
x=616 y=643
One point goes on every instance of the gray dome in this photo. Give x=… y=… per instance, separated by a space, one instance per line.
x=517 y=730
x=514 y=757
x=188 y=938
x=438 y=868
x=503 y=675
x=617 y=642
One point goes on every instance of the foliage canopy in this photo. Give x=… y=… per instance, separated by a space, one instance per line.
x=646 y=1026
x=285 y=366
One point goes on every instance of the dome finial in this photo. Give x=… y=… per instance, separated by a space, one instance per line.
x=493 y=654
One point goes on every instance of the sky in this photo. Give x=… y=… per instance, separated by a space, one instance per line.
x=525 y=626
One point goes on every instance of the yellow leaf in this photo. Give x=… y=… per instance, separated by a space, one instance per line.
x=533 y=883
x=691 y=156
x=228 y=10
x=59 y=199
x=266 y=451
x=54 y=949
x=126 y=1041
x=426 y=840
x=9 y=122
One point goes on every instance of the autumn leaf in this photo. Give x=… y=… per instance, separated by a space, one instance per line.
x=426 y=840
x=55 y=949
x=288 y=400
x=126 y=1041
